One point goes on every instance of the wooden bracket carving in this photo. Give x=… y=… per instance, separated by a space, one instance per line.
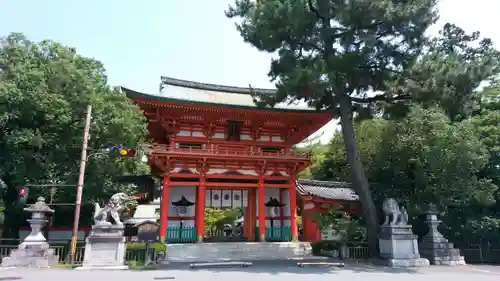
x=209 y=130
x=288 y=132
x=256 y=132
x=262 y=168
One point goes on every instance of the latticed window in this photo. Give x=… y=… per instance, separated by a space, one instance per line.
x=234 y=130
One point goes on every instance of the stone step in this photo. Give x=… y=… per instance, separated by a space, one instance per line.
x=441 y=252
x=449 y=258
x=441 y=245
x=236 y=251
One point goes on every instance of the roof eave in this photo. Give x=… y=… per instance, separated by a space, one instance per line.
x=143 y=97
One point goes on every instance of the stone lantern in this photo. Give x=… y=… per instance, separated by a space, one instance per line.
x=434 y=246
x=181 y=206
x=34 y=250
x=274 y=206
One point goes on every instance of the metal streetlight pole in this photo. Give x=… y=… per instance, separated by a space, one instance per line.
x=79 y=190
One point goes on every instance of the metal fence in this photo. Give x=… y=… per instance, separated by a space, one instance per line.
x=181 y=234
x=142 y=256
x=481 y=255
x=473 y=253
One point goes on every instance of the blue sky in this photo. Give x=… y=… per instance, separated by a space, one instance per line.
x=139 y=41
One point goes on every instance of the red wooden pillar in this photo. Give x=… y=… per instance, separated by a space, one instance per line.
x=282 y=215
x=293 y=209
x=165 y=192
x=251 y=214
x=262 y=210
x=200 y=210
x=309 y=226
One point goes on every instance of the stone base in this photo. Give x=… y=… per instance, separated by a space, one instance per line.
x=451 y=263
x=420 y=262
x=122 y=267
x=31 y=254
x=105 y=248
x=399 y=247
x=397 y=242
x=440 y=252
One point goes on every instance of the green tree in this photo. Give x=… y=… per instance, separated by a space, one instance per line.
x=423 y=158
x=452 y=66
x=332 y=54
x=318 y=153
x=335 y=166
x=44 y=90
x=429 y=159
x=216 y=218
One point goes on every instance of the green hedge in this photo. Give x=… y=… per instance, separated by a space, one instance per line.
x=137 y=246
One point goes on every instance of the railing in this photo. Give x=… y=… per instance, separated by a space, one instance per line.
x=276 y=234
x=142 y=256
x=181 y=235
x=478 y=255
x=219 y=150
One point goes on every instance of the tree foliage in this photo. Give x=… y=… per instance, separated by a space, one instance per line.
x=44 y=90
x=422 y=158
x=427 y=158
x=216 y=218
x=333 y=54
x=452 y=66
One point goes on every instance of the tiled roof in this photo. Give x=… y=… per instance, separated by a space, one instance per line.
x=326 y=189
x=173 y=90
x=213 y=87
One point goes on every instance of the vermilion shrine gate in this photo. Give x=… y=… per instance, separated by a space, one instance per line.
x=213 y=147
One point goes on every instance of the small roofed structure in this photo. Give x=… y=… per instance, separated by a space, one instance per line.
x=318 y=196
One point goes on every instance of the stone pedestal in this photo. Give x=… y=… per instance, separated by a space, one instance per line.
x=105 y=248
x=398 y=246
x=31 y=254
x=34 y=251
x=435 y=247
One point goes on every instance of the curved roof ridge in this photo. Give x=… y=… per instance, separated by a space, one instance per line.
x=214 y=87
x=326 y=189
x=163 y=98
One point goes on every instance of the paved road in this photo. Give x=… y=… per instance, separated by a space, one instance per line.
x=263 y=272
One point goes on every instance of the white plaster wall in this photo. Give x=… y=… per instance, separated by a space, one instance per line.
x=276 y=139
x=185 y=223
x=198 y=134
x=245 y=137
x=183 y=133
x=222 y=171
x=176 y=192
x=286 y=209
x=238 y=198
x=218 y=136
x=275 y=192
x=264 y=138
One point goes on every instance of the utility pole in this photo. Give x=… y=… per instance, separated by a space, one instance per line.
x=79 y=188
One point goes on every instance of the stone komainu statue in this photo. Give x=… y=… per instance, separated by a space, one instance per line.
x=394 y=214
x=115 y=205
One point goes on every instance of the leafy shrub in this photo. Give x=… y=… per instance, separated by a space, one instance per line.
x=327 y=245
x=138 y=246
